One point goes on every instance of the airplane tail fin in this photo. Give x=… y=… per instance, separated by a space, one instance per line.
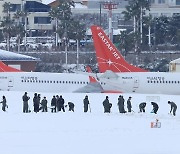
x=5 y=68
x=108 y=56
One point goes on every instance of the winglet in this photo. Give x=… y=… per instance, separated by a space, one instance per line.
x=91 y=79
x=108 y=56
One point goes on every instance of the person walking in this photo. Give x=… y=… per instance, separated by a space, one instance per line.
x=44 y=104
x=86 y=103
x=121 y=104
x=173 y=107
x=142 y=107
x=129 y=106
x=53 y=104
x=25 y=99
x=155 y=107
x=107 y=105
x=4 y=103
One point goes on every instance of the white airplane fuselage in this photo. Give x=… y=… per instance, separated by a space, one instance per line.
x=42 y=82
x=144 y=82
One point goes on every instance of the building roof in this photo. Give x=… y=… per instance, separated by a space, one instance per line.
x=175 y=61
x=11 y=56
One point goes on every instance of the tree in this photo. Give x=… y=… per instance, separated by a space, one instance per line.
x=135 y=11
x=7 y=23
x=19 y=26
x=62 y=13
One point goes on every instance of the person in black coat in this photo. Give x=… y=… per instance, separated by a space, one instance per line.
x=121 y=104
x=44 y=104
x=142 y=107
x=155 y=107
x=71 y=106
x=53 y=104
x=61 y=103
x=25 y=99
x=86 y=103
x=36 y=103
x=129 y=106
x=107 y=105
x=173 y=107
x=4 y=105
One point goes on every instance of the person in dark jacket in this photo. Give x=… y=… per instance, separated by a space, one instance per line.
x=86 y=103
x=53 y=104
x=36 y=103
x=129 y=106
x=4 y=105
x=57 y=102
x=142 y=107
x=61 y=103
x=121 y=104
x=71 y=106
x=155 y=107
x=44 y=104
x=173 y=107
x=25 y=103
x=107 y=105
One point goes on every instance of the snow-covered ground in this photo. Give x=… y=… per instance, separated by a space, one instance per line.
x=89 y=133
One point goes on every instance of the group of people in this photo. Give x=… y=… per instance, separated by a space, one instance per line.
x=58 y=104
x=107 y=106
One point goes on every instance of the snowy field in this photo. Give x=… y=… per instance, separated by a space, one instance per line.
x=89 y=133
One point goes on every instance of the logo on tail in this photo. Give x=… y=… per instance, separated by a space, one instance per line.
x=108 y=56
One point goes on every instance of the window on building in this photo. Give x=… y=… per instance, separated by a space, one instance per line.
x=42 y=20
x=15 y=7
x=161 y=1
x=177 y=2
x=152 y=1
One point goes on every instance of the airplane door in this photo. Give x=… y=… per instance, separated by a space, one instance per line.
x=10 y=82
x=136 y=82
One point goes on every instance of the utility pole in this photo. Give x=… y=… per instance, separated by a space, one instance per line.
x=110 y=6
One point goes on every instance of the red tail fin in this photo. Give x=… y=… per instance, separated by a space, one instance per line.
x=91 y=79
x=108 y=56
x=5 y=68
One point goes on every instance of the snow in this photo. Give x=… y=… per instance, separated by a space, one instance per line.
x=89 y=133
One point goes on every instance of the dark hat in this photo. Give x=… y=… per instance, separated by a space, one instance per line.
x=25 y=92
x=130 y=97
x=86 y=96
x=107 y=97
x=169 y=102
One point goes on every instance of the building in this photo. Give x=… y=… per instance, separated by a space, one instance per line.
x=174 y=66
x=37 y=22
x=40 y=24
x=18 y=61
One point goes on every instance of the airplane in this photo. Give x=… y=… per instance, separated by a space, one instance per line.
x=118 y=74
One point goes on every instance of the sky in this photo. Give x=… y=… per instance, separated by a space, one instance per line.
x=93 y=132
